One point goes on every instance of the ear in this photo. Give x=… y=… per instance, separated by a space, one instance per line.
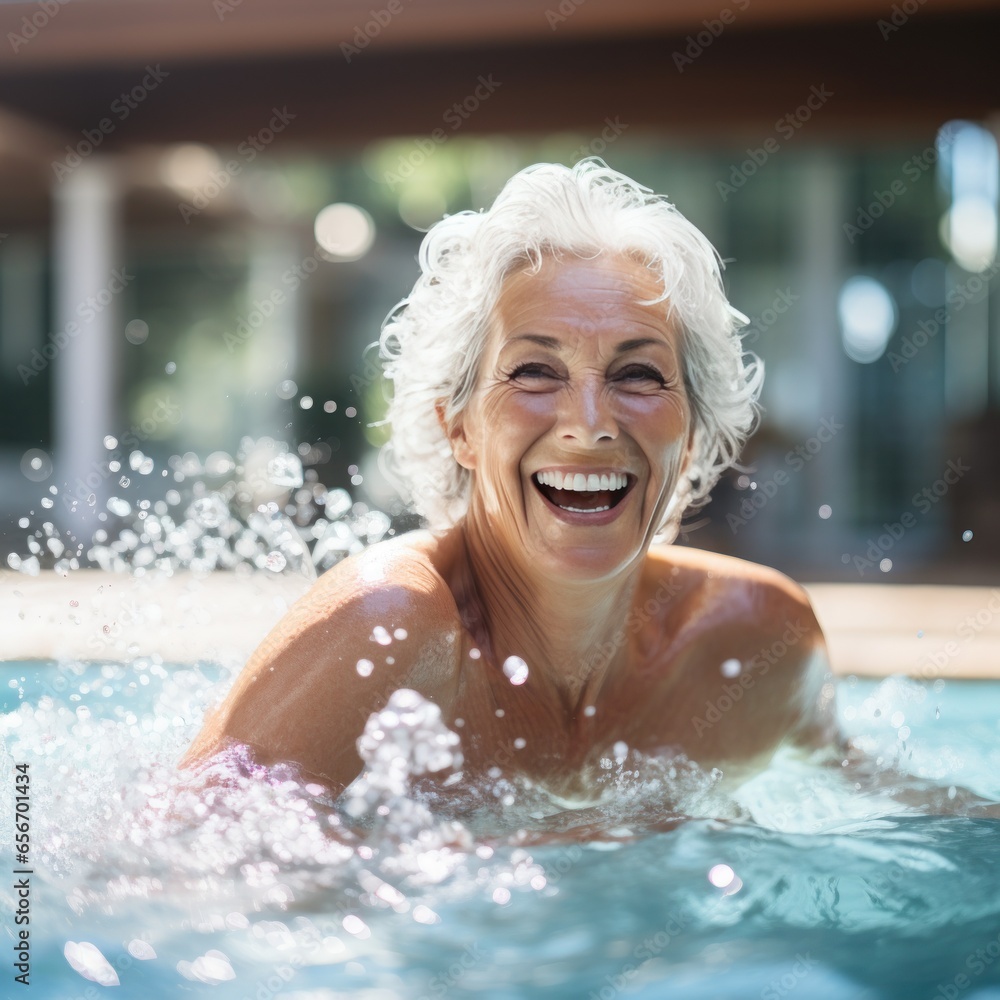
x=455 y=433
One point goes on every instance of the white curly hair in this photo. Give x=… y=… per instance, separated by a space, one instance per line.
x=432 y=341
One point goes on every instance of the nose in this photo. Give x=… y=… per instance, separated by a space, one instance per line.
x=586 y=415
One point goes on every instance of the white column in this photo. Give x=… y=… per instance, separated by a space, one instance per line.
x=822 y=246
x=89 y=275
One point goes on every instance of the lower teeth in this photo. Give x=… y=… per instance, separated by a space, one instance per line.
x=582 y=510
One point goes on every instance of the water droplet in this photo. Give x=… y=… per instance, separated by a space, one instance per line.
x=142 y=950
x=275 y=562
x=36 y=465
x=119 y=507
x=731 y=668
x=285 y=470
x=136 y=331
x=721 y=875
x=516 y=669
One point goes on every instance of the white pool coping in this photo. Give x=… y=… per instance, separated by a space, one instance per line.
x=872 y=629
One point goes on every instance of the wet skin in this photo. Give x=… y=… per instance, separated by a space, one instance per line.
x=624 y=640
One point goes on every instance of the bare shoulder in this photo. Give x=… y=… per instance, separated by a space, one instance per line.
x=729 y=611
x=377 y=621
x=749 y=591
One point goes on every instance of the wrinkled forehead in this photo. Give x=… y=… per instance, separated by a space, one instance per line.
x=572 y=298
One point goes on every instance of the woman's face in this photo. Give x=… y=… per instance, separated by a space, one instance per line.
x=577 y=380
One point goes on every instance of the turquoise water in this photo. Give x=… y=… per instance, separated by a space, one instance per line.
x=263 y=888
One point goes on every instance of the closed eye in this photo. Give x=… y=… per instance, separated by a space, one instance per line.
x=641 y=373
x=531 y=369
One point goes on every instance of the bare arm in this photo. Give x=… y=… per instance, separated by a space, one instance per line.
x=336 y=657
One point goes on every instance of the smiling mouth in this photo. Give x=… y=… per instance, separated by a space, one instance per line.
x=585 y=501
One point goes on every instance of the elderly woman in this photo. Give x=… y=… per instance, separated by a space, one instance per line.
x=568 y=380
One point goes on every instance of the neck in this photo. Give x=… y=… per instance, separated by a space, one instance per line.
x=569 y=632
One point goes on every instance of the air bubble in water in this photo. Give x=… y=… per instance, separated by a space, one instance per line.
x=110 y=442
x=119 y=507
x=731 y=668
x=966 y=535
x=516 y=669
x=286 y=389
x=124 y=482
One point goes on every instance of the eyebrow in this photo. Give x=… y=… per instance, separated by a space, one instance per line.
x=622 y=348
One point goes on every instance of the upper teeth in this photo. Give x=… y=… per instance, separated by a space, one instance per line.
x=581 y=483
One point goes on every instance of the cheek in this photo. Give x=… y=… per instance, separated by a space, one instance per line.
x=662 y=425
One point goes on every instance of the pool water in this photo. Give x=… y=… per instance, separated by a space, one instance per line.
x=804 y=880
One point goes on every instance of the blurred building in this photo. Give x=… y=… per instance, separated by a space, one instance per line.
x=207 y=209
